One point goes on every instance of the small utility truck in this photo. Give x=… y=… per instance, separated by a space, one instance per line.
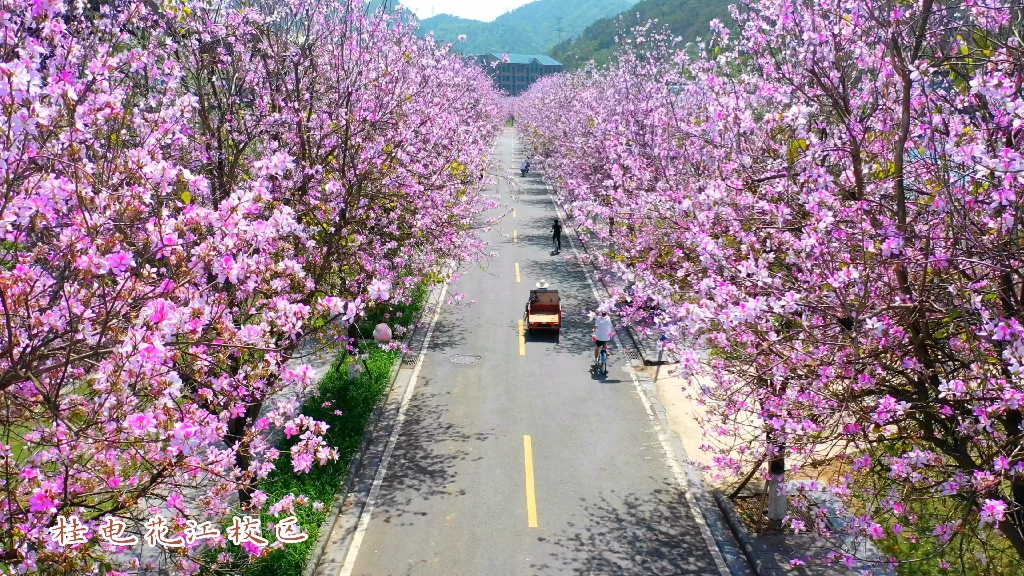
x=543 y=311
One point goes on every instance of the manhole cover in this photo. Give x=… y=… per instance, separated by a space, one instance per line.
x=464 y=359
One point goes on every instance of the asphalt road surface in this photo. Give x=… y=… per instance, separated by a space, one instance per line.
x=457 y=499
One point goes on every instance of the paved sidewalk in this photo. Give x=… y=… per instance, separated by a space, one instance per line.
x=776 y=551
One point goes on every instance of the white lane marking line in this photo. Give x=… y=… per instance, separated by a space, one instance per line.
x=371 y=500
x=670 y=453
x=680 y=477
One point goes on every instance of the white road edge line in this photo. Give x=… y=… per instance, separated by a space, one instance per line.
x=371 y=500
x=666 y=445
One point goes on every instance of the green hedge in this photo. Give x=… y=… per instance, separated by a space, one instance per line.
x=356 y=398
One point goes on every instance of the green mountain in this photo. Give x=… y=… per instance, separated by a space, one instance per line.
x=685 y=18
x=529 y=29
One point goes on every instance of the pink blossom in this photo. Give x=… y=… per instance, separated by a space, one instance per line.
x=992 y=512
x=43 y=500
x=1001 y=463
x=120 y=262
x=380 y=290
x=176 y=501
x=382 y=333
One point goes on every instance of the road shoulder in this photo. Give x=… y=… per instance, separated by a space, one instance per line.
x=343 y=523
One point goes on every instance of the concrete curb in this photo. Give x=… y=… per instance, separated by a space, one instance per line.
x=356 y=463
x=740 y=531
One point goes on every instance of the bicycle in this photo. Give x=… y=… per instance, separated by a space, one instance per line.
x=602 y=360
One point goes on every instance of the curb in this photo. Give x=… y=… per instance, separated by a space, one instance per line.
x=647 y=357
x=356 y=462
x=740 y=531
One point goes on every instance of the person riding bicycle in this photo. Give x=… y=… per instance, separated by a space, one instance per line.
x=556 y=235
x=602 y=332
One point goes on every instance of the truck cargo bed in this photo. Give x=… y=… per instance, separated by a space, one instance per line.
x=543 y=317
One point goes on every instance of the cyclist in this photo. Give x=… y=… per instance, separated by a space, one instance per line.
x=602 y=332
x=556 y=235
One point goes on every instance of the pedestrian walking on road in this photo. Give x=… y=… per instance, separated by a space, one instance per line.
x=556 y=235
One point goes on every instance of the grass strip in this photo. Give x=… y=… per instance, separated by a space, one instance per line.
x=356 y=398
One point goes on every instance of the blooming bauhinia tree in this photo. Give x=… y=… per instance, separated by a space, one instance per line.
x=189 y=194
x=826 y=203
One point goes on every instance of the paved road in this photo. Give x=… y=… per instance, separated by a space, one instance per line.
x=454 y=498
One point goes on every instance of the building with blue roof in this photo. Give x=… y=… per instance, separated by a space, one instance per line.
x=521 y=70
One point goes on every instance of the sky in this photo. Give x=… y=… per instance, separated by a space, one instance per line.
x=485 y=10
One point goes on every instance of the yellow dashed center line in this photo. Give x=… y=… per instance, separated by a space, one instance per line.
x=517 y=272
x=531 y=496
x=515 y=236
x=513 y=212
x=522 y=338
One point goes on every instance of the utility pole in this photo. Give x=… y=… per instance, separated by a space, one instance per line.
x=560 y=30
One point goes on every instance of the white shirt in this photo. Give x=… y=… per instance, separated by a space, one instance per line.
x=604 y=328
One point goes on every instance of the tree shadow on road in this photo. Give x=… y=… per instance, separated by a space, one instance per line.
x=424 y=460
x=631 y=535
x=537 y=232
x=577 y=299
x=449 y=333
x=548 y=336
x=606 y=378
x=538 y=198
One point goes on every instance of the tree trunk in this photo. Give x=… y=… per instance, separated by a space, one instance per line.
x=1013 y=532
x=237 y=428
x=776 y=480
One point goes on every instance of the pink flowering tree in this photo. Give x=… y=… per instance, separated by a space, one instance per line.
x=188 y=195
x=827 y=203
x=93 y=273
x=337 y=127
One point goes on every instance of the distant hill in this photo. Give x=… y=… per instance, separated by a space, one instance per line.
x=529 y=29
x=686 y=18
